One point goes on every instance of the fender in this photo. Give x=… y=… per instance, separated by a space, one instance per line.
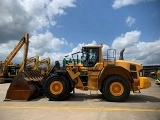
x=65 y=74
x=114 y=70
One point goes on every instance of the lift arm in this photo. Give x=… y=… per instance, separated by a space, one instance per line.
x=34 y=60
x=45 y=61
x=47 y=64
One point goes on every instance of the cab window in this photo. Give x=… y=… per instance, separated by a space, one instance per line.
x=90 y=56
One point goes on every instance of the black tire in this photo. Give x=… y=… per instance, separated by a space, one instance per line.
x=63 y=87
x=71 y=89
x=115 y=89
x=102 y=88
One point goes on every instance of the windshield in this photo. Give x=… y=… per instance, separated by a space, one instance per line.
x=90 y=56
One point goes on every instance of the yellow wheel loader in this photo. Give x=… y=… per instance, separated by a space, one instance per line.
x=92 y=71
x=158 y=77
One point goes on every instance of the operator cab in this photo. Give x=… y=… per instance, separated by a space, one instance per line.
x=90 y=56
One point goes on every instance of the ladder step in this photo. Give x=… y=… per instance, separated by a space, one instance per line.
x=93 y=92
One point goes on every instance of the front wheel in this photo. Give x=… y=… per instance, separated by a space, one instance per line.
x=116 y=89
x=56 y=88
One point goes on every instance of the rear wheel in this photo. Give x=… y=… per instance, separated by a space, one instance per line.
x=116 y=89
x=56 y=88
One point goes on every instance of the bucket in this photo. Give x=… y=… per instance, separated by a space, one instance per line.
x=25 y=86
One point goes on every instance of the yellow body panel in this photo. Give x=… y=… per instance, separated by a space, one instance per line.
x=126 y=64
x=144 y=82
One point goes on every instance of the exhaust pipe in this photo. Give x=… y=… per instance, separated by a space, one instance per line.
x=121 y=54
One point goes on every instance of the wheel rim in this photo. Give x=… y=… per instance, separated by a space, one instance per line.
x=56 y=87
x=116 y=89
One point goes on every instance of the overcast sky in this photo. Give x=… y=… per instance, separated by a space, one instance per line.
x=60 y=27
